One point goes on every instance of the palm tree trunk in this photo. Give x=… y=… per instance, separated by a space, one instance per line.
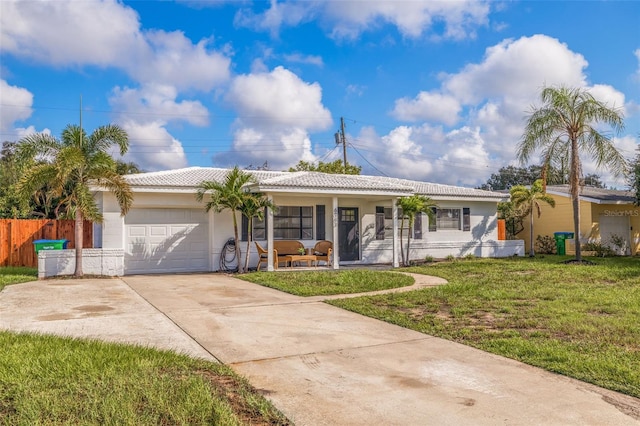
x=531 y=252
x=401 y=247
x=79 y=233
x=408 y=245
x=574 y=186
x=249 y=238
x=235 y=235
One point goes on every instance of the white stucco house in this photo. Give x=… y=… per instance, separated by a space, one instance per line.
x=167 y=230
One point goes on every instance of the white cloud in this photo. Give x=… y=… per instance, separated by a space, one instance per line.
x=412 y=18
x=277 y=111
x=305 y=59
x=428 y=106
x=349 y=19
x=144 y=113
x=152 y=147
x=517 y=69
x=171 y=58
x=155 y=102
x=16 y=105
x=427 y=153
x=609 y=96
x=280 y=98
x=279 y=14
x=107 y=33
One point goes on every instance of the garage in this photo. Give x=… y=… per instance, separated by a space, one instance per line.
x=166 y=240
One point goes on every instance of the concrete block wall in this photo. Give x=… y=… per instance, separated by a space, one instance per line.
x=102 y=262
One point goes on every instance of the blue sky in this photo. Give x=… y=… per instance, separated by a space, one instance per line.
x=433 y=91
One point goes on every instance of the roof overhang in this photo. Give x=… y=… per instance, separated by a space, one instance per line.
x=589 y=199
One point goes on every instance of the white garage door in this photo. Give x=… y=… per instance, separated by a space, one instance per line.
x=166 y=240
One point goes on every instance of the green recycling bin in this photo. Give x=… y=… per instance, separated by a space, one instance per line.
x=561 y=239
x=49 y=245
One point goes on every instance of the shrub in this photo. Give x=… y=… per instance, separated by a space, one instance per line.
x=428 y=259
x=601 y=250
x=545 y=244
x=470 y=256
x=450 y=258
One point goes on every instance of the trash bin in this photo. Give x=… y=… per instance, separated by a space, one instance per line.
x=50 y=245
x=561 y=239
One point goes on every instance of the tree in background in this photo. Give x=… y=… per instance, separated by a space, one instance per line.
x=528 y=200
x=228 y=195
x=553 y=175
x=633 y=177
x=513 y=218
x=564 y=123
x=11 y=205
x=412 y=206
x=335 y=167
x=127 y=168
x=69 y=166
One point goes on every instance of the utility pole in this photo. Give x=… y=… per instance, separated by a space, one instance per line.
x=340 y=139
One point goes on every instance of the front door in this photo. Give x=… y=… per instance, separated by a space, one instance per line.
x=348 y=234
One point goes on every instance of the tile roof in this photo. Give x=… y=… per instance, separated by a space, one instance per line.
x=600 y=194
x=190 y=177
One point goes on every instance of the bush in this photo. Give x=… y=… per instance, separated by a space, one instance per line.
x=428 y=259
x=450 y=258
x=545 y=244
x=601 y=250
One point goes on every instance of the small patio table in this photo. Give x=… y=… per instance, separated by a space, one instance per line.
x=301 y=258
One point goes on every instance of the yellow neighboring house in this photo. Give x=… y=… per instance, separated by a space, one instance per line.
x=604 y=213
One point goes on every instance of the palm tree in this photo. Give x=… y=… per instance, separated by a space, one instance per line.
x=253 y=207
x=70 y=166
x=565 y=124
x=227 y=195
x=529 y=199
x=411 y=206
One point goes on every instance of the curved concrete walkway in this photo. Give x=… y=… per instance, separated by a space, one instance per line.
x=319 y=364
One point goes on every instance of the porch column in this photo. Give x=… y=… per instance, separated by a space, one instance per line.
x=336 y=241
x=270 y=235
x=394 y=210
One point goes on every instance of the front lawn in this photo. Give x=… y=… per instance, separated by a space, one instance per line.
x=16 y=274
x=323 y=283
x=577 y=320
x=53 y=380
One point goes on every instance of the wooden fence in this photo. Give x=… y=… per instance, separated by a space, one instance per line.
x=17 y=237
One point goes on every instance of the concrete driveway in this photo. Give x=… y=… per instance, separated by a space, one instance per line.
x=320 y=365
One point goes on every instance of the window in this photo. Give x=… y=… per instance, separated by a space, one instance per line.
x=384 y=224
x=293 y=223
x=259 y=231
x=289 y=223
x=451 y=219
x=448 y=219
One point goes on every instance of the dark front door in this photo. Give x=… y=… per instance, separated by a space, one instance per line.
x=348 y=234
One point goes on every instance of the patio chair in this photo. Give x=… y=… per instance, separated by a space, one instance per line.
x=263 y=255
x=323 y=251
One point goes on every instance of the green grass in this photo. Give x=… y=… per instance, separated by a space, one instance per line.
x=51 y=380
x=16 y=274
x=323 y=283
x=577 y=320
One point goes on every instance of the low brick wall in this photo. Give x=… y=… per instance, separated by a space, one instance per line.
x=103 y=262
